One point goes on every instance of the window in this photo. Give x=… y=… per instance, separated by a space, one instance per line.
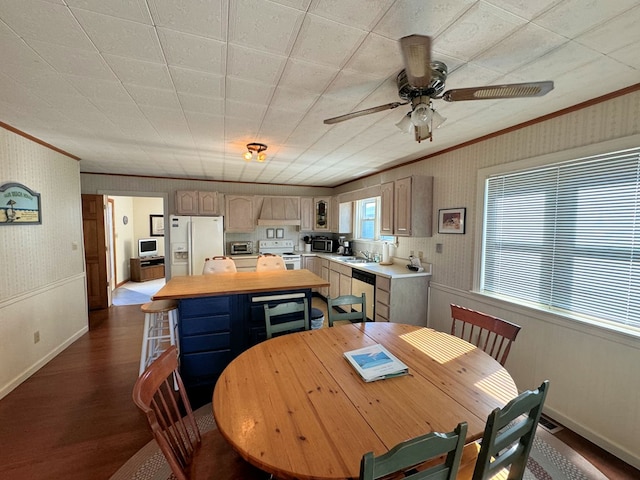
x=567 y=238
x=367 y=220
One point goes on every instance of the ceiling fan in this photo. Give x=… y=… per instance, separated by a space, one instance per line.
x=422 y=81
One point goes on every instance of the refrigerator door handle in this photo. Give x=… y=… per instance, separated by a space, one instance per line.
x=190 y=246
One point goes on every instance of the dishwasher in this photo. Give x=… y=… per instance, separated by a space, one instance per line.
x=364 y=282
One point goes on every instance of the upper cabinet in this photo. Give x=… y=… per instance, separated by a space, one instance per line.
x=191 y=202
x=321 y=215
x=239 y=215
x=306 y=214
x=406 y=207
x=341 y=216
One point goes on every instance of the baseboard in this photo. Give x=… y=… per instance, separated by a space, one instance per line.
x=13 y=384
x=602 y=442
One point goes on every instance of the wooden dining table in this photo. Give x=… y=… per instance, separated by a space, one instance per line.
x=294 y=407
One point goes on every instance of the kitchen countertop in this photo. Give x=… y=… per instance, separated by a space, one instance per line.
x=194 y=286
x=397 y=270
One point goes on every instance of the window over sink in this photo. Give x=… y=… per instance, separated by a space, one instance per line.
x=367 y=221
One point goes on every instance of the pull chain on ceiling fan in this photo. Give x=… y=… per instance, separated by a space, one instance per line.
x=422 y=81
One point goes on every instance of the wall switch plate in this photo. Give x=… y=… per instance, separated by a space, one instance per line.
x=438 y=248
x=36 y=336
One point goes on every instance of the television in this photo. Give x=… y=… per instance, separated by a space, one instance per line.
x=147 y=247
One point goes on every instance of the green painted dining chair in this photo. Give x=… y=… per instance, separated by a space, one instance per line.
x=297 y=317
x=345 y=303
x=409 y=458
x=508 y=435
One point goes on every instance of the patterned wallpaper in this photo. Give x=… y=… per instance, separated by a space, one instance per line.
x=32 y=256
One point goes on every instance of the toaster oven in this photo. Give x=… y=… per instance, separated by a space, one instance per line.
x=241 y=248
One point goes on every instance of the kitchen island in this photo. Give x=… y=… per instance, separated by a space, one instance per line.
x=220 y=316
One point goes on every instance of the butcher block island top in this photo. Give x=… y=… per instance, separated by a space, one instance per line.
x=194 y=286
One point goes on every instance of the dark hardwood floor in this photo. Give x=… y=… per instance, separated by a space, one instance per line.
x=74 y=418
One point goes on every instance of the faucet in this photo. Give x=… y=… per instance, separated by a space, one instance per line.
x=365 y=254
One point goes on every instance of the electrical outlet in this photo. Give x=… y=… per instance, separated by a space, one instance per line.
x=438 y=248
x=36 y=336
x=420 y=255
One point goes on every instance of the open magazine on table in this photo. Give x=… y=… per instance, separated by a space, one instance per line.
x=375 y=363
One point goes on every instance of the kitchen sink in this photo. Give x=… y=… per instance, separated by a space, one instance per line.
x=356 y=260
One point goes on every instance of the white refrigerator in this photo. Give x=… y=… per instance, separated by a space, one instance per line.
x=192 y=240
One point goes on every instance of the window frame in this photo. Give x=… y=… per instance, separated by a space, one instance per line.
x=565 y=156
x=357 y=222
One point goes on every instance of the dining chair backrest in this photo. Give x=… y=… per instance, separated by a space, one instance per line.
x=345 y=303
x=408 y=455
x=297 y=317
x=491 y=334
x=191 y=455
x=269 y=261
x=219 y=264
x=508 y=435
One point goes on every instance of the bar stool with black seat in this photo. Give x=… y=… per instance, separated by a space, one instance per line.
x=160 y=324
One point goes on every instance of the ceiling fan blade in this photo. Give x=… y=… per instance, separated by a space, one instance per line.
x=511 y=90
x=416 y=50
x=360 y=113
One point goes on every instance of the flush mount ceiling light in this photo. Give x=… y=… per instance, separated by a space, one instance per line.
x=255 y=150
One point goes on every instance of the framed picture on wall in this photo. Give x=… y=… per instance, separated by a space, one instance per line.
x=451 y=220
x=156 y=225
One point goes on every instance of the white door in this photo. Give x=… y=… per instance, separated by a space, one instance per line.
x=207 y=240
x=179 y=251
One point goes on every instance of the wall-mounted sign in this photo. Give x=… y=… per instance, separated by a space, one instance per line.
x=19 y=205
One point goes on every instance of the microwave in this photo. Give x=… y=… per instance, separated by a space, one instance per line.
x=241 y=248
x=321 y=245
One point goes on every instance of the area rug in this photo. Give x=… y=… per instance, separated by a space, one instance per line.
x=550 y=458
x=136 y=293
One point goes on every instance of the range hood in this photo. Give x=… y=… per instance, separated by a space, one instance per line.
x=280 y=211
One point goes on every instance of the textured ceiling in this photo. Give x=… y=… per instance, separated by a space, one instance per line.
x=177 y=88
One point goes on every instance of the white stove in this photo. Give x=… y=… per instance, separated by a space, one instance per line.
x=284 y=248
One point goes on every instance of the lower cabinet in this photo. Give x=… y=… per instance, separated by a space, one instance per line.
x=402 y=300
x=340 y=279
x=209 y=332
x=212 y=331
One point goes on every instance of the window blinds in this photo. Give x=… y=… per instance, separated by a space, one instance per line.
x=567 y=237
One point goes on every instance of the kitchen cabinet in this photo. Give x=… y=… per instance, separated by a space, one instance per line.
x=401 y=300
x=321 y=214
x=406 y=207
x=340 y=279
x=324 y=274
x=245 y=263
x=314 y=265
x=191 y=202
x=239 y=213
x=341 y=216
x=306 y=214
x=209 y=336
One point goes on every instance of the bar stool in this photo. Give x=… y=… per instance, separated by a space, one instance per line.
x=160 y=322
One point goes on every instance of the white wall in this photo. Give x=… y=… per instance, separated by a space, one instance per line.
x=42 y=285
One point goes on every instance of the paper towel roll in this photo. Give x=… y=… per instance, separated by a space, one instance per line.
x=385 y=253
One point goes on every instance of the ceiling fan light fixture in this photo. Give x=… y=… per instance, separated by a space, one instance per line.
x=421 y=115
x=437 y=120
x=405 y=124
x=255 y=150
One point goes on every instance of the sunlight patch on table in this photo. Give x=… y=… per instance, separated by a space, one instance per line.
x=430 y=342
